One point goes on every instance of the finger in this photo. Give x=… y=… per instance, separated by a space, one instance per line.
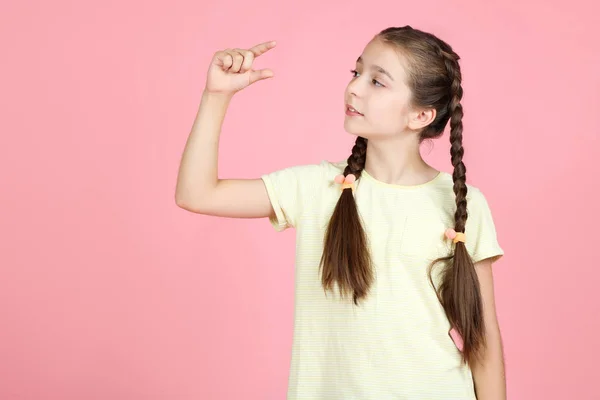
x=238 y=59
x=262 y=48
x=248 y=60
x=260 y=75
x=224 y=60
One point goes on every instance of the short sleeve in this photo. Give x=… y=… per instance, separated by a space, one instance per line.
x=291 y=191
x=482 y=241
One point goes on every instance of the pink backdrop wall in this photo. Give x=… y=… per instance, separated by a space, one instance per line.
x=109 y=291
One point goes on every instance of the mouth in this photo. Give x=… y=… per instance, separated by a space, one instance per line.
x=352 y=111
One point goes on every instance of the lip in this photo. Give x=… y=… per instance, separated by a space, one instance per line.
x=348 y=112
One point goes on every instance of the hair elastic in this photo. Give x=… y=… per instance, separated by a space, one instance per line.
x=455 y=236
x=347 y=182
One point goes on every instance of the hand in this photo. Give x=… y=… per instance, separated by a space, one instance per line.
x=231 y=70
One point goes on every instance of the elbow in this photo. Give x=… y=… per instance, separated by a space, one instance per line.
x=193 y=199
x=185 y=203
x=180 y=201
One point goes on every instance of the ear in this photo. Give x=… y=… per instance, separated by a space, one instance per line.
x=419 y=119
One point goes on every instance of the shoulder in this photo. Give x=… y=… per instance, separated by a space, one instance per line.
x=445 y=186
x=476 y=200
x=297 y=190
x=442 y=194
x=482 y=240
x=304 y=177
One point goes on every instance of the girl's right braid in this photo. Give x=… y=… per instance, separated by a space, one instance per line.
x=356 y=161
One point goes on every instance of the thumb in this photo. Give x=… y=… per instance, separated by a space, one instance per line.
x=260 y=75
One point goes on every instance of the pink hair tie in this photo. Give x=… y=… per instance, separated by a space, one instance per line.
x=347 y=182
x=455 y=236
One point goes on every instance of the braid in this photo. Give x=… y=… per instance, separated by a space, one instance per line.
x=456 y=130
x=459 y=290
x=356 y=161
x=346 y=261
x=434 y=78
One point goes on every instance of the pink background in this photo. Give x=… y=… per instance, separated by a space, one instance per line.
x=109 y=291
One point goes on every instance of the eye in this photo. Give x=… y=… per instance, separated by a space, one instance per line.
x=375 y=82
x=355 y=74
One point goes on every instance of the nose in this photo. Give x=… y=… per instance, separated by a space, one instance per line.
x=353 y=88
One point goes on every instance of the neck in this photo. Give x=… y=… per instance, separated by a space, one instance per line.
x=398 y=161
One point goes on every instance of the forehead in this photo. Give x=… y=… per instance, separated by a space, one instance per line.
x=385 y=56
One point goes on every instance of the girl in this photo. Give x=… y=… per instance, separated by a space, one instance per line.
x=394 y=293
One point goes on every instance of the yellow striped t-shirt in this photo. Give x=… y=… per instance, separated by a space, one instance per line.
x=394 y=345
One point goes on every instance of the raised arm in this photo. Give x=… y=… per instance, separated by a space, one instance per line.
x=199 y=189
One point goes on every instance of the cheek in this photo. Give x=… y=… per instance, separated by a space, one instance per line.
x=387 y=112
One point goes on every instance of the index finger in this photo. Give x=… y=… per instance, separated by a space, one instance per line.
x=262 y=48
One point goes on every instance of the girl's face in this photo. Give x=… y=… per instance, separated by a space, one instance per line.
x=377 y=91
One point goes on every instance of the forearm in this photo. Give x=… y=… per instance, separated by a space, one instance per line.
x=198 y=168
x=489 y=373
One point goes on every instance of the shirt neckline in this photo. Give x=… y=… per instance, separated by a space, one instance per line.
x=368 y=176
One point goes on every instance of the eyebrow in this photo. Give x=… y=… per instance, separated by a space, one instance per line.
x=359 y=60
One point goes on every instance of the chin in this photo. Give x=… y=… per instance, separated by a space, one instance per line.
x=353 y=129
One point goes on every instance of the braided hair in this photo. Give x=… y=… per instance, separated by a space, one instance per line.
x=434 y=78
x=346 y=260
